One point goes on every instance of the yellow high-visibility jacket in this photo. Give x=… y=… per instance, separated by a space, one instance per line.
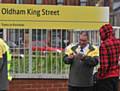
x=74 y=49
x=5 y=48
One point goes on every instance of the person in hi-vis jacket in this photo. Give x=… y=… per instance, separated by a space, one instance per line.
x=82 y=58
x=5 y=58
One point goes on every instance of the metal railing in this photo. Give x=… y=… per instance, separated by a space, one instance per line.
x=38 y=53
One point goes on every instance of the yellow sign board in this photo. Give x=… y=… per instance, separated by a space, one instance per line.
x=52 y=16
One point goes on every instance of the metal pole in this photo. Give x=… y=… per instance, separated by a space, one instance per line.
x=30 y=51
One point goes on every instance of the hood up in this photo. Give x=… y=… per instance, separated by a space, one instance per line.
x=106 y=32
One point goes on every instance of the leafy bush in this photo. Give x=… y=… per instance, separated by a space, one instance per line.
x=41 y=63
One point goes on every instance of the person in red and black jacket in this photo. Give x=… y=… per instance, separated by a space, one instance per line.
x=108 y=72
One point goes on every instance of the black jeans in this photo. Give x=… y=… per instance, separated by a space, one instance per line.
x=71 y=88
x=109 y=84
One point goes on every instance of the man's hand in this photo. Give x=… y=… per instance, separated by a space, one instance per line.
x=71 y=56
x=79 y=56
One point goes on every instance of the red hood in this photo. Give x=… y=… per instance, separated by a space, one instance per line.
x=106 y=32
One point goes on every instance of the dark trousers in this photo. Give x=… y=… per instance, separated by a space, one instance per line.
x=109 y=84
x=71 y=88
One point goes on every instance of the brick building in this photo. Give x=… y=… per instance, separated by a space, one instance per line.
x=55 y=2
x=116 y=12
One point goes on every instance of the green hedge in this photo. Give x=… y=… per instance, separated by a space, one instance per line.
x=47 y=63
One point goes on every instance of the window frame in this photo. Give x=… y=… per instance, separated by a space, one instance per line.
x=36 y=2
x=19 y=1
x=60 y=2
x=83 y=2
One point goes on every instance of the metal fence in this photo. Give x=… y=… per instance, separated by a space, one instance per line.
x=38 y=53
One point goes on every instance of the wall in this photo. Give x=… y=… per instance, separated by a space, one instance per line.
x=46 y=2
x=14 y=1
x=37 y=85
x=8 y=1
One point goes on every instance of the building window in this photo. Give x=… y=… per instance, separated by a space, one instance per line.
x=1 y=33
x=116 y=0
x=39 y=1
x=106 y=2
x=24 y=1
x=83 y=2
x=19 y=1
x=60 y=2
